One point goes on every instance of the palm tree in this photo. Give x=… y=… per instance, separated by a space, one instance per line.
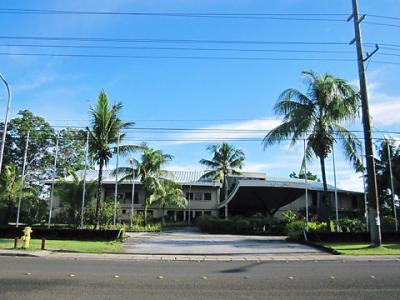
x=168 y=192
x=317 y=115
x=70 y=196
x=383 y=172
x=149 y=170
x=226 y=160
x=105 y=131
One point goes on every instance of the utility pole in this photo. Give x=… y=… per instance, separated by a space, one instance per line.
x=3 y=139
x=373 y=201
x=22 y=178
x=84 y=179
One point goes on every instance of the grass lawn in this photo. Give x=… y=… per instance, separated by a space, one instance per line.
x=364 y=249
x=67 y=245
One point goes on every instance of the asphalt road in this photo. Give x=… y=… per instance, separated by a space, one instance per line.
x=50 y=278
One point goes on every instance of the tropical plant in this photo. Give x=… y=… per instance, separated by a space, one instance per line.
x=168 y=193
x=317 y=115
x=383 y=173
x=310 y=176
x=69 y=193
x=105 y=132
x=149 y=170
x=226 y=161
x=289 y=216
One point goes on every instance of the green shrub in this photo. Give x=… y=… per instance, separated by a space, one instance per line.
x=352 y=225
x=147 y=228
x=314 y=226
x=289 y=216
x=295 y=230
x=242 y=226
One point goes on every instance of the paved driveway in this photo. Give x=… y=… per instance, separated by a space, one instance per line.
x=190 y=242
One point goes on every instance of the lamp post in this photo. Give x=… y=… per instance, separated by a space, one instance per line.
x=3 y=140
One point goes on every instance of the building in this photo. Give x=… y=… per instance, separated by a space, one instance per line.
x=250 y=194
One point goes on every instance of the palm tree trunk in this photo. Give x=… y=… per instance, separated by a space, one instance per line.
x=99 y=189
x=9 y=210
x=324 y=209
x=226 y=196
x=163 y=216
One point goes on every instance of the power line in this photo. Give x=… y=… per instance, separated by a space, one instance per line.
x=171 y=48
x=153 y=40
x=192 y=57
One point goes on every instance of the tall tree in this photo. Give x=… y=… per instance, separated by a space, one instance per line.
x=226 y=161
x=168 y=193
x=149 y=170
x=106 y=127
x=42 y=138
x=318 y=115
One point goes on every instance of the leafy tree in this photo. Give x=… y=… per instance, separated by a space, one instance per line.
x=317 y=115
x=40 y=152
x=168 y=193
x=226 y=161
x=310 y=176
x=71 y=151
x=105 y=130
x=10 y=189
x=70 y=197
x=149 y=170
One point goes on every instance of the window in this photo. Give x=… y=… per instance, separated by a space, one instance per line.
x=354 y=202
x=189 y=196
x=124 y=211
x=128 y=198
x=207 y=196
x=207 y=213
x=198 y=196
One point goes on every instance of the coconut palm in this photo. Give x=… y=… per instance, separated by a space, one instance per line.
x=318 y=115
x=148 y=170
x=168 y=192
x=104 y=133
x=226 y=161
x=70 y=196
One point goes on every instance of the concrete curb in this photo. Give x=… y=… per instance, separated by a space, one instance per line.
x=201 y=258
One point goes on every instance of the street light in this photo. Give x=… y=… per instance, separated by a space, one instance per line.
x=5 y=122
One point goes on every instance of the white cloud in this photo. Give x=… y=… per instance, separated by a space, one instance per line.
x=247 y=129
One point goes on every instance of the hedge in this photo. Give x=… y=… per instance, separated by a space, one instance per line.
x=61 y=234
x=352 y=237
x=235 y=225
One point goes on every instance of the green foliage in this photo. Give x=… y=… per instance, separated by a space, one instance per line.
x=226 y=161
x=239 y=225
x=319 y=114
x=310 y=176
x=314 y=226
x=295 y=230
x=105 y=131
x=289 y=216
x=70 y=197
x=352 y=225
x=149 y=170
x=168 y=193
x=145 y=228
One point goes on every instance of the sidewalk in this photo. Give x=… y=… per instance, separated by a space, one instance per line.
x=197 y=258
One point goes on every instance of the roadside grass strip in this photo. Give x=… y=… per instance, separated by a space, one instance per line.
x=67 y=245
x=364 y=249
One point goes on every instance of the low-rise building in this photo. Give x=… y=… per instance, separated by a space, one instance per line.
x=249 y=194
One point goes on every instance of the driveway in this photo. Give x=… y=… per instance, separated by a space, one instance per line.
x=188 y=241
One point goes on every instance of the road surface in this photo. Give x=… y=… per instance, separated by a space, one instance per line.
x=58 y=278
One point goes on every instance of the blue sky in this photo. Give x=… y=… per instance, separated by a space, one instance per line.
x=232 y=94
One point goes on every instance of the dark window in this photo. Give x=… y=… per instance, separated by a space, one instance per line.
x=207 y=196
x=207 y=213
x=198 y=196
x=189 y=196
x=354 y=202
x=124 y=211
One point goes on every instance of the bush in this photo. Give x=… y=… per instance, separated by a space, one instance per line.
x=295 y=230
x=314 y=226
x=352 y=225
x=289 y=216
x=243 y=226
x=146 y=228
